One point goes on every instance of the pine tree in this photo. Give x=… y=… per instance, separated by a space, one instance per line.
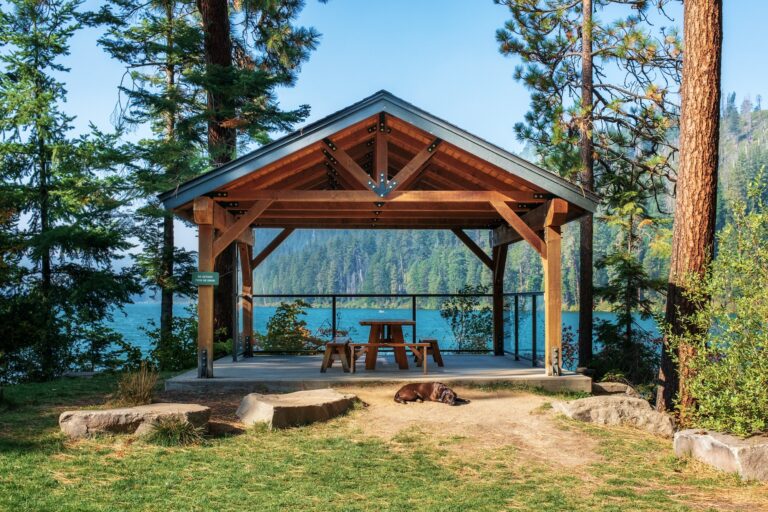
x=600 y=99
x=629 y=289
x=731 y=114
x=64 y=196
x=160 y=44
x=694 y=224
x=251 y=48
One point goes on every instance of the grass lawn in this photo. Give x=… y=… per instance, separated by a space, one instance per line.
x=340 y=466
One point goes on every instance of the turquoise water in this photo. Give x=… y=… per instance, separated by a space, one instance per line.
x=429 y=323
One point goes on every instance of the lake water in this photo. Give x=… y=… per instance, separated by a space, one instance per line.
x=429 y=323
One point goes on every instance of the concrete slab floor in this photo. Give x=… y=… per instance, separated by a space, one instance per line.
x=290 y=373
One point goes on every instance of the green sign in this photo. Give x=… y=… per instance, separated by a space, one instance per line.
x=205 y=278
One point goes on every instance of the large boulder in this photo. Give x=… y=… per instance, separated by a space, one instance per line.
x=130 y=420
x=614 y=388
x=294 y=409
x=618 y=410
x=747 y=457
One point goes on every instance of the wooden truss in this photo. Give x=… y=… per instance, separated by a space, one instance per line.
x=384 y=173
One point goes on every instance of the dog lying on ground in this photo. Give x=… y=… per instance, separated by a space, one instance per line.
x=428 y=391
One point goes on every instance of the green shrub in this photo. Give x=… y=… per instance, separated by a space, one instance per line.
x=730 y=366
x=178 y=350
x=635 y=359
x=175 y=432
x=570 y=348
x=221 y=348
x=471 y=323
x=286 y=330
x=138 y=387
x=625 y=347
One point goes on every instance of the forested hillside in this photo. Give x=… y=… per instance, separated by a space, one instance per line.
x=317 y=261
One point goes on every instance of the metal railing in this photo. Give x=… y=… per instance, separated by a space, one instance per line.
x=514 y=307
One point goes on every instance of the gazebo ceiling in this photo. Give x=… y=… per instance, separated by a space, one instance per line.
x=381 y=163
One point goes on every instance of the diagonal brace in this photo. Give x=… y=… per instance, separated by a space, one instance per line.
x=472 y=246
x=519 y=225
x=274 y=244
x=240 y=225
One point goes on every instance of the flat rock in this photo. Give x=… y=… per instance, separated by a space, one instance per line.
x=294 y=409
x=747 y=457
x=130 y=420
x=618 y=410
x=613 y=388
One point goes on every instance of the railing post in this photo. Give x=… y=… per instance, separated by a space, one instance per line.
x=413 y=316
x=533 y=329
x=333 y=320
x=517 y=327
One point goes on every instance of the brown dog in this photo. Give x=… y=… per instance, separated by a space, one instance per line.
x=428 y=391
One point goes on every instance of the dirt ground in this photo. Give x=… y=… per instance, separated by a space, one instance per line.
x=491 y=419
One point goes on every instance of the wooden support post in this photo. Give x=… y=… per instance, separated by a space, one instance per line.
x=553 y=282
x=246 y=255
x=203 y=213
x=499 y=262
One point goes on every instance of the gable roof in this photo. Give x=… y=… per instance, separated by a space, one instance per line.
x=379 y=102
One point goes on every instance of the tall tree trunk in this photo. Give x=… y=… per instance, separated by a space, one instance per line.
x=221 y=143
x=218 y=59
x=167 y=258
x=695 y=207
x=47 y=357
x=166 y=296
x=48 y=363
x=586 y=298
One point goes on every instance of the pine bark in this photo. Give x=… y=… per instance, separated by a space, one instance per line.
x=221 y=144
x=586 y=297
x=167 y=264
x=167 y=257
x=218 y=58
x=695 y=207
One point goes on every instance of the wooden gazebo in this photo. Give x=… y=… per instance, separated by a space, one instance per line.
x=382 y=164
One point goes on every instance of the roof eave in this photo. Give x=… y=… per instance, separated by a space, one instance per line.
x=382 y=101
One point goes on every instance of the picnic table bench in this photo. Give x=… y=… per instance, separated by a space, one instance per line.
x=371 y=351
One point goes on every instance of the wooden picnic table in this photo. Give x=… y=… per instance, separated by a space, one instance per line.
x=388 y=332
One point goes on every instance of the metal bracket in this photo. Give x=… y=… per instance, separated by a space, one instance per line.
x=202 y=365
x=248 y=347
x=556 y=369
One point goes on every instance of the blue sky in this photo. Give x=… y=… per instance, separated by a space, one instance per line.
x=440 y=55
